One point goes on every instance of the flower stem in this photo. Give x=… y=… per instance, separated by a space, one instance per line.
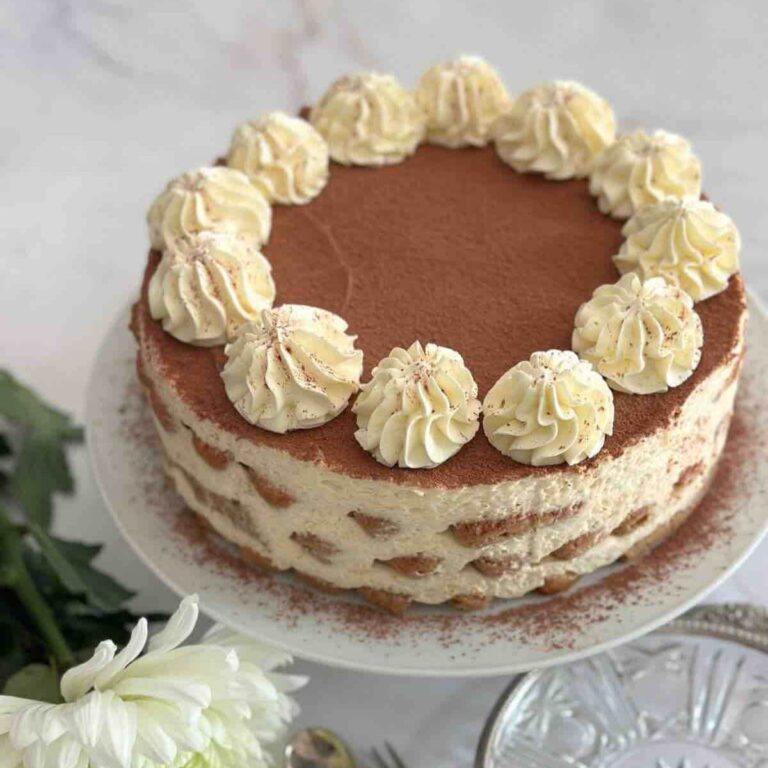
x=15 y=575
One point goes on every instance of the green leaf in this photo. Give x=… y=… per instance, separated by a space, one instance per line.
x=5 y=446
x=105 y=592
x=11 y=552
x=82 y=624
x=35 y=681
x=71 y=562
x=37 y=474
x=16 y=576
x=21 y=405
x=40 y=468
x=17 y=643
x=78 y=552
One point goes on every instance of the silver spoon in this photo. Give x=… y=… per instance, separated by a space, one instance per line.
x=317 y=748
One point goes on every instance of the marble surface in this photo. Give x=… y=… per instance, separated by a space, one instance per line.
x=104 y=100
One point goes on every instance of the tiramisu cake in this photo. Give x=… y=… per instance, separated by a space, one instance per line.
x=442 y=344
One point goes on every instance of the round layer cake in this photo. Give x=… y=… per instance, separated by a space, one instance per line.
x=454 y=247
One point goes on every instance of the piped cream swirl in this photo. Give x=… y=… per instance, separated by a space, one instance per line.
x=209 y=198
x=368 y=119
x=293 y=367
x=551 y=409
x=419 y=408
x=687 y=242
x=462 y=100
x=209 y=284
x=557 y=129
x=639 y=169
x=283 y=156
x=644 y=337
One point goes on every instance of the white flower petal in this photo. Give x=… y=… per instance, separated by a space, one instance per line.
x=288 y=683
x=176 y=690
x=35 y=756
x=65 y=752
x=115 y=746
x=125 y=657
x=26 y=727
x=53 y=723
x=247 y=649
x=9 y=757
x=196 y=661
x=78 y=680
x=182 y=725
x=155 y=735
x=87 y=717
x=178 y=628
x=10 y=707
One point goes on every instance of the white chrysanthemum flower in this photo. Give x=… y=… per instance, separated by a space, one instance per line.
x=213 y=704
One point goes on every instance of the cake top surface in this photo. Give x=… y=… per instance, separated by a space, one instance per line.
x=451 y=247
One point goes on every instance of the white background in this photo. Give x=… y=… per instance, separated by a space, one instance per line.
x=102 y=101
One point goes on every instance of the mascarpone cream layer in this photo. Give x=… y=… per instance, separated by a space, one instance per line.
x=665 y=472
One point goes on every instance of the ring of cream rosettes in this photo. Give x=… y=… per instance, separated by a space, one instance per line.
x=296 y=367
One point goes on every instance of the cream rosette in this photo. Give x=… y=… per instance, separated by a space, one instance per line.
x=639 y=169
x=293 y=367
x=209 y=198
x=368 y=119
x=557 y=129
x=687 y=242
x=283 y=156
x=419 y=408
x=643 y=337
x=462 y=99
x=551 y=409
x=209 y=284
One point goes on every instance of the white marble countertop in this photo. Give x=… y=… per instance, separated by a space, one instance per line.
x=104 y=100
